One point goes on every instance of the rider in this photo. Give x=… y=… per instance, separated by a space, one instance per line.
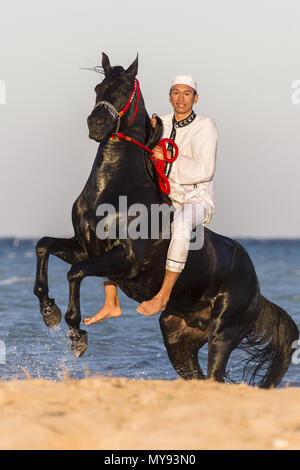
x=192 y=189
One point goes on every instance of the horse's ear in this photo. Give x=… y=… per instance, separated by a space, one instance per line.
x=133 y=68
x=105 y=63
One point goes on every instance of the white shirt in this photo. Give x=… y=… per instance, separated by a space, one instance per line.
x=196 y=162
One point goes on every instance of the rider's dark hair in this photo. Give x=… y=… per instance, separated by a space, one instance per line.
x=195 y=93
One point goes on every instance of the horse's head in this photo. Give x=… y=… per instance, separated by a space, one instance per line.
x=112 y=94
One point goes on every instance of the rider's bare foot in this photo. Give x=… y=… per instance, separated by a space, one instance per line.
x=109 y=310
x=153 y=306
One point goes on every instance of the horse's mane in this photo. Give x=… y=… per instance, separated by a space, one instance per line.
x=153 y=136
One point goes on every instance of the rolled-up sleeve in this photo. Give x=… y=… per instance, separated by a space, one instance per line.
x=200 y=166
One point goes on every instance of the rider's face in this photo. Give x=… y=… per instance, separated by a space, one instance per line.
x=182 y=98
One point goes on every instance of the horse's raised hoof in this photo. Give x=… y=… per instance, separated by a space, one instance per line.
x=79 y=342
x=51 y=313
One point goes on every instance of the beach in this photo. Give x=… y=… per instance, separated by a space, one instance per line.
x=113 y=413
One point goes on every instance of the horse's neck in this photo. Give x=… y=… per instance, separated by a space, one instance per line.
x=135 y=129
x=121 y=161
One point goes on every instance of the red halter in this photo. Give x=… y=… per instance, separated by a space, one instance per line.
x=159 y=164
x=136 y=86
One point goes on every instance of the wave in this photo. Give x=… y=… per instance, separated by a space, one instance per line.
x=14 y=280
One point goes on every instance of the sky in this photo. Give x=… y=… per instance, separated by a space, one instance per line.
x=244 y=56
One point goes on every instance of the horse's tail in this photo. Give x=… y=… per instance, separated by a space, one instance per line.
x=272 y=338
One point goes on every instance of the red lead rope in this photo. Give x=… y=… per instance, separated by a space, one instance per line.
x=159 y=164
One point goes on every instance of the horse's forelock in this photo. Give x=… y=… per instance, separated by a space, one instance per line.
x=116 y=70
x=116 y=78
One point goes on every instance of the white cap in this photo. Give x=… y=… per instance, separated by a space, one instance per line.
x=184 y=80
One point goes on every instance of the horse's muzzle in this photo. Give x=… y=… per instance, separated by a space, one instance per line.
x=95 y=126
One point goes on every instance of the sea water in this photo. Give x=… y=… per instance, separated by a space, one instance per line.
x=128 y=346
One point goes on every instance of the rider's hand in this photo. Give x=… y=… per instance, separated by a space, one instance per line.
x=158 y=153
x=153 y=121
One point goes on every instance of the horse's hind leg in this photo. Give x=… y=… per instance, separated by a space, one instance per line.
x=229 y=324
x=66 y=249
x=183 y=343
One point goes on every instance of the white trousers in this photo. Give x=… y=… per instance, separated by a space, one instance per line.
x=187 y=216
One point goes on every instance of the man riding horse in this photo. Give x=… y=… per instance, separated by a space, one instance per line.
x=191 y=183
x=216 y=299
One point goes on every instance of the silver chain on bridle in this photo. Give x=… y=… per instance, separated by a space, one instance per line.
x=112 y=110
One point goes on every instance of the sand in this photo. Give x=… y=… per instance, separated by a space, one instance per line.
x=116 y=413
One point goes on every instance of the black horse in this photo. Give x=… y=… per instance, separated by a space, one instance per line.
x=216 y=299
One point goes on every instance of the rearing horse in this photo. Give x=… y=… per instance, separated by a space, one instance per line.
x=216 y=299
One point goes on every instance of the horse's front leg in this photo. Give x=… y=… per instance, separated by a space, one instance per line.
x=112 y=264
x=66 y=249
